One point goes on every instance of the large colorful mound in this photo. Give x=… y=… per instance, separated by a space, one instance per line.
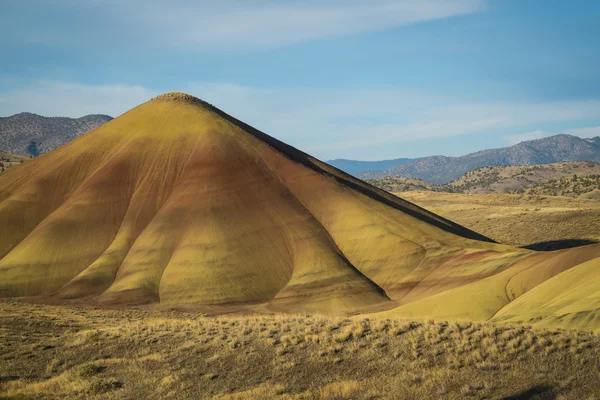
x=176 y=202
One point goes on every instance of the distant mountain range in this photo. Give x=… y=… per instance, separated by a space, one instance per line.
x=441 y=169
x=28 y=134
x=354 y=167
x=573 y=179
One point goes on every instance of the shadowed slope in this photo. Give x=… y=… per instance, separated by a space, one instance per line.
x=176 y=202
x=570 y=299
x=516 y=292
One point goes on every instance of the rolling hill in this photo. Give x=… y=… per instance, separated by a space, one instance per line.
x=441 y=169
x=178 y=204
x=572 y=179
x=577 y=178
x=28 y=134
x=551 y=289
x=394 y=184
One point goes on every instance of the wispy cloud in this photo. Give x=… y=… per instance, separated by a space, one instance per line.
x=70 y=99
x=329 y=123
x=590 y=132
x=225 y=23
x=521 y=137
x=585 y=132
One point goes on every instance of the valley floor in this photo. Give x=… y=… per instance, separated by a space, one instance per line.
x=541 y=222
x=72 y=352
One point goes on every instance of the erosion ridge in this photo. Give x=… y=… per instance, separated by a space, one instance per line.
x=176 y=203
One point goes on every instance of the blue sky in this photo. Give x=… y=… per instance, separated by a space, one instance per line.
x=336 y=78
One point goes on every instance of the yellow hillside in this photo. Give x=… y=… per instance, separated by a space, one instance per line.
x=487 y=298
x=176 y=203
x=571 y=299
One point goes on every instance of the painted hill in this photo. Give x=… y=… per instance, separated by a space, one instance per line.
x=29 y=134
x=552 y=289
x=395 y=184
x=178 y=203
x=441 y=169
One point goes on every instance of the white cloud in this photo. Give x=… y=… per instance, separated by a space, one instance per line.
x=329 y=123
x=67 y=99
x=229 y=23
x=585 y=132
x=580 y=132
x=521 y=137
x=347 y=123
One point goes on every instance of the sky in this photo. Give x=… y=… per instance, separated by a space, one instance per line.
x=366 y=80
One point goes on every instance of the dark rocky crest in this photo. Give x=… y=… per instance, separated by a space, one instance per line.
x=28 y=134
x=441 y=169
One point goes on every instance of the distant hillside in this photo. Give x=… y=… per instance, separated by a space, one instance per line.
x=573 y=179
x=441 y=169
x=400 y=184
x=561 y=179
x=8 y=160
x=354 y=167
x=28 y=134
x=538 y=222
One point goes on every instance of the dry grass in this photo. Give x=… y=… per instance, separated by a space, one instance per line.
x=73 y=352
x=516 y=219
x=8 y=160
x=573 y=179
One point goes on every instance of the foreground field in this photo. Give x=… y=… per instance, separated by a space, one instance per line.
x=71 y=352
x=520 y=220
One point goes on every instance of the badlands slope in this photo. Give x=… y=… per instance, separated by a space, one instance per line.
x=177 y=203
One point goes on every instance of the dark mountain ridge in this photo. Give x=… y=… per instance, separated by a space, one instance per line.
x=29 y=134
x=442 y=169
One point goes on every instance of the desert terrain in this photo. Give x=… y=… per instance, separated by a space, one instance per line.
x=176 y=251
x=75 y=352
x=541 y=222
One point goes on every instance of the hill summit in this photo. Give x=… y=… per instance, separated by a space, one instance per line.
x=182 y=97
x=176 y=202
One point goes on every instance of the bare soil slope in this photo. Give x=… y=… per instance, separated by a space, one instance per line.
x=178 y=203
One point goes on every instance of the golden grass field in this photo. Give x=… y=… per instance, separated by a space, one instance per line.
x=516 y=219
x=73 y=352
